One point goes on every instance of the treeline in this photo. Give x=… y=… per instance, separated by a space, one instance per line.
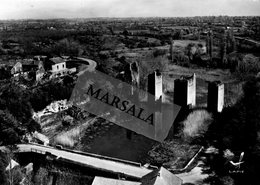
x=243 y=65
x=58 y=42
x=42 y=35
x=65 y=46
x=51 y=42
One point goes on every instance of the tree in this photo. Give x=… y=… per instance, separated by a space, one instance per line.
x=3 y=164
x=171 y=49
x=67 y=47
x=15 y=113
x=15 y=99
x=10 y=129
x=237 y=128
x=4 y=73
x=223 y=49
x=248 y=66
x=191 y=50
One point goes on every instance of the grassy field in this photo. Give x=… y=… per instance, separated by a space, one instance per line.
x=184 y=43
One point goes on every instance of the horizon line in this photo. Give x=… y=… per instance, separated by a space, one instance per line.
x=130 y=17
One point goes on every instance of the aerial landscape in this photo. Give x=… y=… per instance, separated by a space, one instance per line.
x=136 y=92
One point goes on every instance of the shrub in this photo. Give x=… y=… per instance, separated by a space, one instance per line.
x=68 y=138
x=196 y=123
x=249 y=65
x=64 y=140
x=17 y=175
x=159 y=52
x=172 y=154
x=67 y=121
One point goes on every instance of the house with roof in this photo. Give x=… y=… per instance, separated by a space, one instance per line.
x=17 y=69
x=24 y=67
x=58 y=66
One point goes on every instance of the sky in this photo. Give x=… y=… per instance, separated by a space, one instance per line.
x=45 y=9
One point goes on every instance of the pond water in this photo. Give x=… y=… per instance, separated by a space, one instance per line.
x=114 y=143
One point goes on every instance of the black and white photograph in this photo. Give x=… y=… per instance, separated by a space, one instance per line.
x=129 y=92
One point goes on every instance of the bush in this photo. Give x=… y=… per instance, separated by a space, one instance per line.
x=196 y=123
x=159 y=52
x=64 y=140
x=67 y=121
x=68 y=138
x=17 y=175
x=249 y=65
x=172 y=154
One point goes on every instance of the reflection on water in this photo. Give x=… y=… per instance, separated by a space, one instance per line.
x=114 y=143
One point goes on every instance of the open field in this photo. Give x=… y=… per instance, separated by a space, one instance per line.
x=184 y=43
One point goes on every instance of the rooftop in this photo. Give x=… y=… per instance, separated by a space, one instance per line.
x=108 y=181
x=57 y=60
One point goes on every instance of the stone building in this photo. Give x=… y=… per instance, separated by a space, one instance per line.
x=215 y=96
x=155 y=86
x=185 y=91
